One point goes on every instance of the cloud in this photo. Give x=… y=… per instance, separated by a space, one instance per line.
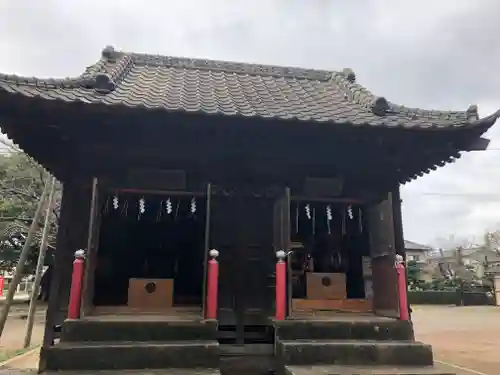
x=441 y=54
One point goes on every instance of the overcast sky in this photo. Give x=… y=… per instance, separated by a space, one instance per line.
x=442 y=54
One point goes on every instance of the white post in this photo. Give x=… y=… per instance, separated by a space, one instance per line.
x=496 y=288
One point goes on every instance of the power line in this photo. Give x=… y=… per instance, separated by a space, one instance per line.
x=472 y=195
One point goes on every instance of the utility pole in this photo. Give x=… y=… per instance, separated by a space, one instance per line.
x=39 y=265
x=460 y=273
x=18 y=273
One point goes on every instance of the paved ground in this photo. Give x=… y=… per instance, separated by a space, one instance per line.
x=468 y=337
x=12 y=339
x=13 y=335
x=465 y=336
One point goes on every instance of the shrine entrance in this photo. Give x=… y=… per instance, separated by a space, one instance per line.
x=242 y=231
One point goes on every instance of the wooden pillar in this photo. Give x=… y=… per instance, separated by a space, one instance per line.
x=398 y=223
x=398 y=229
x=206 y=248
x=94 y=225
x=383 y=251
x=71 y=236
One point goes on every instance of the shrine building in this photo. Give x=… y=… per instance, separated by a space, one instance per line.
x=168 y=164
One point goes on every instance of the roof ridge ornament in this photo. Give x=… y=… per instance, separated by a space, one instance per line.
x=379 y=106
x=108 y=52
x=103 y=83
x=472 y=112
x=349 y=75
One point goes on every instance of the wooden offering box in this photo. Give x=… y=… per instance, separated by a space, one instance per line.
x=326 y=286
x=150 y=293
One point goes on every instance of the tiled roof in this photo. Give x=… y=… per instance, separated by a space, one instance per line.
x=227 y=88
x=410 y=245
x=495 y=270
x=481 y=254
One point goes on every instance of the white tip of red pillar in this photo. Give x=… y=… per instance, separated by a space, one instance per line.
x=80 y=254
x=213 y=253
x=281 y=255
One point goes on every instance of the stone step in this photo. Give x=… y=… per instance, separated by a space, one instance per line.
x=354 y=352
x=132 y=355
x=355 y=370
x=383 y=329
x=139 y=330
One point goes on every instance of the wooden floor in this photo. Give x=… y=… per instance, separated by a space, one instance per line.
x=125 y=313
x=334 y=316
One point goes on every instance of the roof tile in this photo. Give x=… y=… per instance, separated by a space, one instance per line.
x=229 y=88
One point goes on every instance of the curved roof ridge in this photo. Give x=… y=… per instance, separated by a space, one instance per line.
x=102 y=76
x=488 y=120
x=82 y=80
x=346 y=80
x=85 y=80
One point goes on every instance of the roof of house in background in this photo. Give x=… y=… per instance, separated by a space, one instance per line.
x=478 y=253
x=494 y=270
x=444 y=255
x=410 y=245
x=482 y=254
x=230 y=88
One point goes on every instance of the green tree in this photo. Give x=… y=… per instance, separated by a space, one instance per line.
x=21 y=185
x=414 y=272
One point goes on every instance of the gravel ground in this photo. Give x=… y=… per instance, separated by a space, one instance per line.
x=468 y=337
x=465 y=336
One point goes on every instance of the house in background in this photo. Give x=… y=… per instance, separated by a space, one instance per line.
x=416 y=252
x=484 y=261
x=475 y=261
x=420 y=254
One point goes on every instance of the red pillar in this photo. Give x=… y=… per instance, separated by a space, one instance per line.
x=402 y=289
x=2 y=285
x=75 y=296
x=212 y=285
x=280 y=285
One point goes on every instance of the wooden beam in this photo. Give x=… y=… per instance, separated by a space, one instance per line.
x=480 y=144
x=297 y=198
x=383 y=251
x=171 y=193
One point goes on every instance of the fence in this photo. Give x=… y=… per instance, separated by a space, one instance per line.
x=24 y=287
x=433 y=297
